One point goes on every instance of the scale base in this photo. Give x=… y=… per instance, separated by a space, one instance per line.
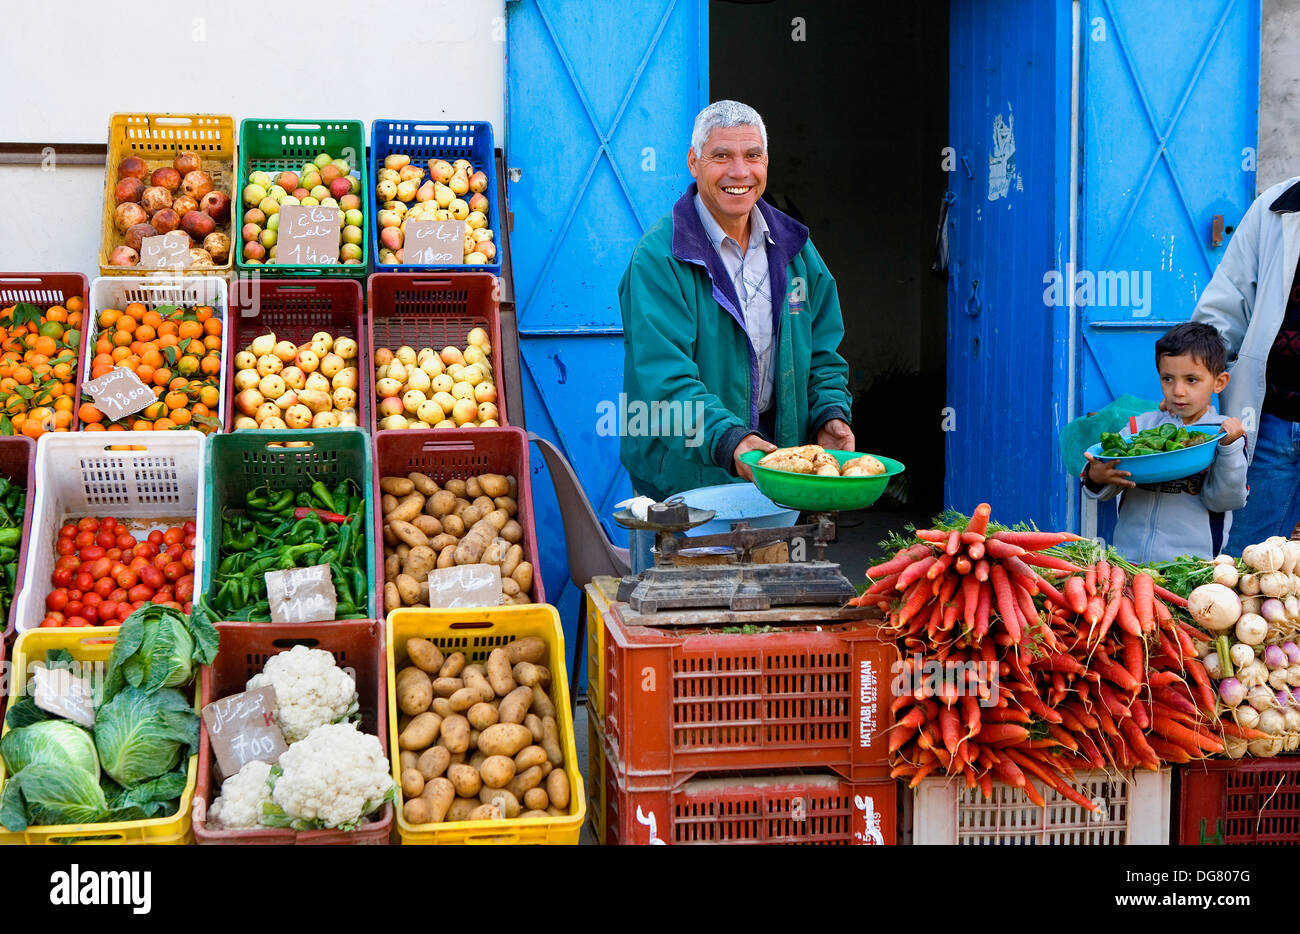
x=736 y=587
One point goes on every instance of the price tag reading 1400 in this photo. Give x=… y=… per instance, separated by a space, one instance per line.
x=308 y=235
x=119 y=393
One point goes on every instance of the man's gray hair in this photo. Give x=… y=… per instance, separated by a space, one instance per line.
x=723 y=114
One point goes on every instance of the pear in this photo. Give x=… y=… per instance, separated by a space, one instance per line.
x=463 y=166
x=397 y=371
x=406 y=191
x=406 y=354
x=459 y=184
x=389 y=175
x=416 y=378
x=425 y=192
x=443 y=195
x=459 y=209
x=396 y=161
x=440 y=170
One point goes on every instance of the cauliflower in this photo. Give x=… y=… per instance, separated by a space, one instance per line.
x=242 y=794
x=332 y=779
x=310 y=690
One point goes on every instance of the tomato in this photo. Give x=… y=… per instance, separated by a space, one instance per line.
x=90 y=614
x=71 y=562
x=76 y=621
x=69 y=531
x=138 y=564
x=174 y=605
x=57 y=600
x=173 y=535
x=161 y=597
x=174 y=571
x=187 y=559
x=108 y=522
x=146 y=550
x=84 y=581
x=49 y=623
x=88 y=524
x=103 y=588
x=189 y=541
x=175 y=551
x=191 y=527
x=136 y=604
x=185 y=588
x=85 y=539
x=62 y=577
x=115 y=554
x=118 y=596
x=98 y=569
x=91 y=553
x=106 y=538
x=66 y=546
x=108 y=610
x=128 y=577
x=74 y=594
x=156 y=537
x=139 y=594
x=125 y=540
x=74 y=608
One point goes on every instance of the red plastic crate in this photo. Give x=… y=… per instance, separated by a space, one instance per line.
x=245 y=647
x=296 y=309
x=682 y=701
x=18 y=463
x=45 y=290
x=457 y=452
x=433 y=310
x=753 y=809
x=1239 y=801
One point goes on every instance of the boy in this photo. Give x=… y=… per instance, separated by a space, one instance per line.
x=1161 y=521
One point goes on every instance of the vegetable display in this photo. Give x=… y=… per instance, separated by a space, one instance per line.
x=451 y=388
x=1157 y=440
x=279 y=384
x=39 y=361
x=471 y=521
x=13 y=506
x=1084 y=662
x=478 y=742
x=279 y=529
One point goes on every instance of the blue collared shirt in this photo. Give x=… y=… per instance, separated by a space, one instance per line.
x=749 y=275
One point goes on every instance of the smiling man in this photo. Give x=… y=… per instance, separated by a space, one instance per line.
x=729 y=312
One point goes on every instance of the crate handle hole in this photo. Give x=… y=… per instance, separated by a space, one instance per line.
x=287 y=643
x=302 y=126
x=79 y=838
x=302 y=446
x=472 y=625
x=440 y=282
x=100 y=641
x=173 y=121
x=127 y=448
x=440 y=127
x=447 y=446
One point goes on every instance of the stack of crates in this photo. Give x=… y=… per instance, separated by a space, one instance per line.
x=705 y=736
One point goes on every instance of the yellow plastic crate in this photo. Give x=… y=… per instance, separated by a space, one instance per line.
x=476 y=632
x=158 y=139
x=93 y=644
x=596 y=766
x=599 y=593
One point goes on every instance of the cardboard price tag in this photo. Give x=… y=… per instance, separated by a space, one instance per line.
x=242 y=729
x=168 y=251
x=465 y=586
x=302 y=595
x=119 y=393
x=308 y=235
x=434 y=242
x=60 y=692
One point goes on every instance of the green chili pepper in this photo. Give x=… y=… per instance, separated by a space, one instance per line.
x=342 y=587
x=323 y=495
x=258 y=498
x=304 y=500
x=10 y=537
x=360 y=586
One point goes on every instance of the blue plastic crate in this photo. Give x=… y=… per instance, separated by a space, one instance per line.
x=434 y=139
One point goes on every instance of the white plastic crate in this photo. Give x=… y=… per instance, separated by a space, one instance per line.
x=93 y=474
x=1134 y=810
x=153 y=291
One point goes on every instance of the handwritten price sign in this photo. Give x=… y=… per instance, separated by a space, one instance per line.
x=308 y=235
x=119 y=393
x=242 y=729
x=434 y=242
x=170 y=251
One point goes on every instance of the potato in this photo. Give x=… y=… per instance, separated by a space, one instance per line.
x=485 y=812
x=392 y=596
x=528 y=649
x=474 y=678
x=483 y=502
x=453 y=666
x=530 y=756
x=544 y=674
x=464 y=699
x=481 y=716
x=408 y=589
x=446 y=687
x=423 y=483
x=455 y=733
x=498 y=518
x=547 y=767
x=421 y=732
x=440 y=794
x=498 y=672
x=460 y=507
x=497 y=771
x=440 y=504
x=447 y=557
x=414 y=691
x=504 y=739
x=493 y=484
x=499 y=796
x=542 y=705
x=433 y=762
x=397 y=486
x=441 y=707
x=408 y=533
x=408 y=507
x=424 y=655
x=461 y=808
x=536 y=799
x=535 y=813
x=514 y=706
x=550 y=740
x=390 y=537
x=471 y=547
x=471 y=514
x=392 y=567
x=455 y=487
x=513 y=532
x=472 y=489
x=417 y=811
x=495 y=553
x=401 y=549
x=557 y=788
x=443 y=540
x=476 y=667
x=428 y=525
x=453 y=526
x=457 y=758
x=466 y=780
x=553 y=811
x=387 y=504
x=523 y=781
x=509 y=588
x=477 y=760
x=473 y=738
x=406 y=758
x=412 y=783
x=508 y=504
x=523 y=575
x=532 y=721
x=519 y=599
x=527 y=673
x=513 y=557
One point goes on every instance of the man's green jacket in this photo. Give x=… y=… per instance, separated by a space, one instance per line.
x=689 y=368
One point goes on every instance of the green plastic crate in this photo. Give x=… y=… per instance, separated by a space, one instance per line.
x=236 y=463
x=278 y=144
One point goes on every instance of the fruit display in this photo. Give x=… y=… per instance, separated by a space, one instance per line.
x=325 y=182
x=107 y=569
x=39 y=362
x=451 y=388
x=479 y=742
x=279 y=384
x=464 y=521
x=447 y=191
x=151 y=199
x=173 y=349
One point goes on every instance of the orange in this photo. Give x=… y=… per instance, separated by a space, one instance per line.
x=32 y=428
x=62 y=371
x=46 y=345
x=163 y=424
x=190 y=329
x=161 y=377
x=120 y=354
x=211 y=365
x=168 y=340
x=188 y=365
x=212 y=327
x=23 y=375
x=62 y=419
x=94 y=426
x=152 y=357
x=176 y=400
x=64 y=403
x=203 y=312
x=117 y=426
x=155 y=410
x=145 y=332
x=180 y=416
x=145 y=372
x=151 y=318
x=136 y=310
x=171 y=327
x=56 y=313
x=212 y=342
x=141 y=425
x=7 y=385
x=126 y=323
x=108 y=317
x=210 y=396
x=75 y=303
x=122 y=338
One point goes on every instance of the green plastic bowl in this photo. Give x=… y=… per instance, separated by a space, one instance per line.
x=821 y=494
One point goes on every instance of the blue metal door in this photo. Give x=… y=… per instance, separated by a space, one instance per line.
x=600 y=99
x=1008 y=351
x=1169 y=123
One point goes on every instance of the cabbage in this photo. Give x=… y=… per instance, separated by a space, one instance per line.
x=53 y=776
x=140 y=736
x=53 y=742
x=157 y=647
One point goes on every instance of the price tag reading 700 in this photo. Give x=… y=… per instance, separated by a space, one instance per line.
x=308 y=235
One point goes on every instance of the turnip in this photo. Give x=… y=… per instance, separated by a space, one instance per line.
x=1274 y=657
x=1292 y=652
x=1241 y=654
x=1253 y=674
x=1277 y=679
x=1274 y=611
x=1226 y=574
x=1247 y=716
x=1274 y=584
x=1251 y=604
x=1213 y=667
x=1214 y=606
x=1261 y=697
x=1248 y=584
x=1266 y=748
x=1272 y=722
x=1234 y=747
x=1251 y=629
x=1265 y=557
x=1293 y=676
x=1232 y=692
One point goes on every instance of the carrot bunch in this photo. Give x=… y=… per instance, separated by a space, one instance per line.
x=1020 y=664
x=38 y=367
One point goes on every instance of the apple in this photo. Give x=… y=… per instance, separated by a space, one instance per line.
x=320 y=192
x=322 y=160
x=353 y=217
x=353 y=234
x=269 y=206
x=340 y=187
x=251 y=232
x=128 y=189
x=288 y=180
x=300 y=193
x=350 y=203
x=254 y=250
x=254 y=194
x=273 y=222
x=261 y=179
x=268 y=238
x=350 y=253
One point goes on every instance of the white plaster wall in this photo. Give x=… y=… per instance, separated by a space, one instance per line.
x=1279 y=92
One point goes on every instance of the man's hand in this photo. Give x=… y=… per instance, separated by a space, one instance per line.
x=750 y=443
x=1103 y=473
x=836 y=435
x=1234 y=429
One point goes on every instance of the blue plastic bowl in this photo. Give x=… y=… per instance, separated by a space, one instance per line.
x=1167 y=465
x=736 y=501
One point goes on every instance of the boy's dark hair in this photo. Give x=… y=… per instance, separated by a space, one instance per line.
x=1199 y=341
